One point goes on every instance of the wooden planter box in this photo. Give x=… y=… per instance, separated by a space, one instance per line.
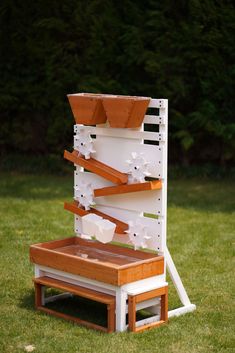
x=125 y=111
x=87 y=108
x=105 y=263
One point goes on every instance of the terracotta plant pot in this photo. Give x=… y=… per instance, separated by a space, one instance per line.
x=125 y=111
x=87 y=108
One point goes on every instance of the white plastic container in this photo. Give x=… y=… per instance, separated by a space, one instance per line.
x=89 y=224
x=105 y=231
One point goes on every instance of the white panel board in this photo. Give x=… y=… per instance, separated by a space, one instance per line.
x=114 y=152
x=77 y=225
x=157 y=103
x=154 y=226
x=123 y=133
x=96 y=181
x=142 y=201
x=154 y=119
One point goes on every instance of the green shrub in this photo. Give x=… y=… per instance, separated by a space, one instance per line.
x=183 y=51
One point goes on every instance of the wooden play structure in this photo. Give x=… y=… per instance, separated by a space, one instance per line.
x=118 y=255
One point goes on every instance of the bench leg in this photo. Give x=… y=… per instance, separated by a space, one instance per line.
x=164 y=305
x=132 y=313
x=39 y=304
x=38 y=295
x=111 y=317
x=132 y=310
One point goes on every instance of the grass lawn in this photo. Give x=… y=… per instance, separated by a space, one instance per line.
x=201 y=223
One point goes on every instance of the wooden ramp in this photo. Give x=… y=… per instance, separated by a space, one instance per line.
x=122 y=189
x=73 y=207
x=97 y=167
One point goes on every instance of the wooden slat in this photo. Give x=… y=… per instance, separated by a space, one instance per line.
x=124 y=133
x=97 y=167
x=157 y=103
x=72 y=318
x=122 y=189
x=75 y=289
x=149 y=326
x=140 y=271
x=73 y=207
x=151 y=294
x=154 y=119
x=131 y=313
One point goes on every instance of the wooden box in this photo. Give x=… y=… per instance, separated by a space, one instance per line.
x=106 y=263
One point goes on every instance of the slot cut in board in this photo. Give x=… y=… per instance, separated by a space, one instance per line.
x=122 y=189
x=73 y=207
x=97 y=167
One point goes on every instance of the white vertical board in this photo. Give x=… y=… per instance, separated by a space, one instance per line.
x=113 y=147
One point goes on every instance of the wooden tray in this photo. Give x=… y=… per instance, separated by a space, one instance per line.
x=105 y=262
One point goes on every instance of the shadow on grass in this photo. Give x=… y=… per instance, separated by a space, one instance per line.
x=75 y=306
x=78 y=307
x=27 y=301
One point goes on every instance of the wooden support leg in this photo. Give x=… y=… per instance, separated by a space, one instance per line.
x=111 y=317
x=164 y=305
x=38 y=294
x=132 y=313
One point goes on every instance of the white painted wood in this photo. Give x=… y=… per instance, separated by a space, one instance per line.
x=157 y=103
x=163 y=111
x=95 y=180
x=79 y=280
x=176 y=279
x=145 y=287
x=115 y=153
x=77 y=225
x=147 y=321
x=182 y=310
x=155 y=309
x=38 y=272
x=148 y=303
x=147 y=201
x=154 y=119
x=154 y=226
x=122 y=133
x=121 y=298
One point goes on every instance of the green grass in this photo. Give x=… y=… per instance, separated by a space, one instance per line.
x=201 y=223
